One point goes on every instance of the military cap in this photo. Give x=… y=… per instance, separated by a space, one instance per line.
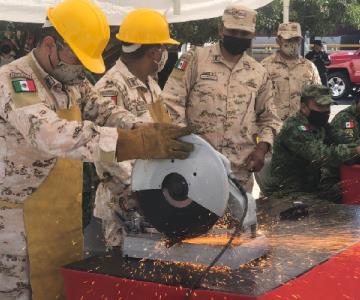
x=318 y=42
x=289 y=30
x=321 y=94
x=239 y=17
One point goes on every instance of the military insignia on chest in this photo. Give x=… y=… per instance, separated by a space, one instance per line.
x=304 y=128
x=24 y=86
x=350 y=124
x=349 y=132
x=49 y=81
x=209 y=76
x=216 y=58
x=132 y=82
x=111 y=94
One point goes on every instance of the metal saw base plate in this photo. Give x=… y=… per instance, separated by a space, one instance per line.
x=152 y=246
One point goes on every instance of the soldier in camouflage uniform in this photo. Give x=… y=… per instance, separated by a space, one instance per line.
x=129 y=84
x=347 y=124
x=288 y=71
x=305 y=145
x=347 y=121
x=43 y=102
x=226 y=95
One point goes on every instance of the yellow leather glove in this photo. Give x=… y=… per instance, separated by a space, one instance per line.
x=155 y=140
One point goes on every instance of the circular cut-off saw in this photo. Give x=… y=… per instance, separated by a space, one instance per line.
x=185 y=198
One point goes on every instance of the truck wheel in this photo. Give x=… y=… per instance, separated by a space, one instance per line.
x=339 y=84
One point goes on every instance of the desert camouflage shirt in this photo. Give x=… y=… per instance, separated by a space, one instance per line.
x=288 y=78
x=127 y=91
x=113 y=193
x=228 y=105
x=33 y=136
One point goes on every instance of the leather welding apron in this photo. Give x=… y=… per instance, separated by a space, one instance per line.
x=53 y=219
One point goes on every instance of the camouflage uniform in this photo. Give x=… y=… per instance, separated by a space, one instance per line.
x=127 y=91
x=301 y=151
x=31 y=139
x=228 y=106
x=347 y=124
x=289 y=76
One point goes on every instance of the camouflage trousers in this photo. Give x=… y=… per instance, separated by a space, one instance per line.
x=14 y=267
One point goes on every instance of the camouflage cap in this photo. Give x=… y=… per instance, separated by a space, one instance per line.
x=321 y=94
x=289 y=30
x=239 y=17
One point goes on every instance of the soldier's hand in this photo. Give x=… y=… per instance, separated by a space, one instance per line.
x=153 y=141
x=255 y=161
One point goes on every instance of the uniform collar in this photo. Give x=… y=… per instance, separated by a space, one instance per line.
x=50 y=81
x=131 y=80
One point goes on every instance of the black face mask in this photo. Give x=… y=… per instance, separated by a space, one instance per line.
x=235 y=45
x=318 y=118
x=6 y=49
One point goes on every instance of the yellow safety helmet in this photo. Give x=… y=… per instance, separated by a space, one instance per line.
x=84 y=27
x=145 y=26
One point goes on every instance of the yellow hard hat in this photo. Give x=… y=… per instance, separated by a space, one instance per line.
x=145 y=26
x=84 y=27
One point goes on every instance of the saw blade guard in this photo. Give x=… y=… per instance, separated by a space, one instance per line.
x=182 y=198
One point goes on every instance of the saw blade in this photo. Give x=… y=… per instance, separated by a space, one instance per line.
x=177 y=223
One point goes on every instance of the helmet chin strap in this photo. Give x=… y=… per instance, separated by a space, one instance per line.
x=52 y=65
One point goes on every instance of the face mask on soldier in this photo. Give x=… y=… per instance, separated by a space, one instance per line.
x=235 y=45
x=290 y=48
x=318 y=118
x=161 y=63
x=66 y=73
x=5 y=49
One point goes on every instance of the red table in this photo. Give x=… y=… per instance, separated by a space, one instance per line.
x=338 y=278
x=350 y=184
x=319 y=259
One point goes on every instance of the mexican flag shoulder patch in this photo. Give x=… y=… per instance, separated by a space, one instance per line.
x=181 y=64
x=24 y=86
x=350 y=124
x=303 y=128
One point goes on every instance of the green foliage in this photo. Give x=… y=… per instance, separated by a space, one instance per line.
x=320 y=17
x=269 y=17
x=196 y=32
x=353 y=14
